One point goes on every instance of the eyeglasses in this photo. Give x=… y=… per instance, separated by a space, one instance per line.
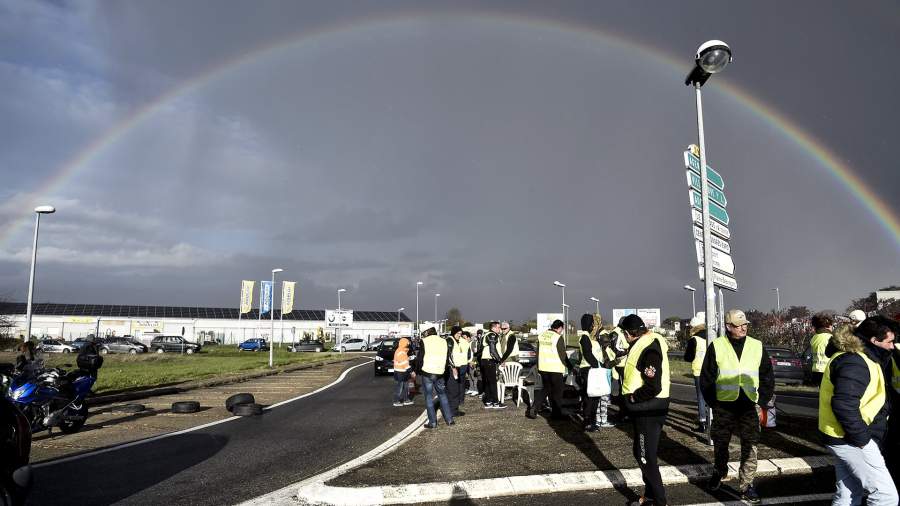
x=736 y=326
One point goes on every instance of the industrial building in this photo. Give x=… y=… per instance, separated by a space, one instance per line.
x=199 y=324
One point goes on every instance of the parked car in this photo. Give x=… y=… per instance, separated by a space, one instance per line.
x=307 y=345
x=55 y=346
x=255 y=344
x=173 y=344
x=119 y=345
x=79 y=343
x=527 y=354
x=787 y=365
x=384 y=357
x=353 y=344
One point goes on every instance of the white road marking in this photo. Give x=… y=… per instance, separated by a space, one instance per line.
x=192 y=429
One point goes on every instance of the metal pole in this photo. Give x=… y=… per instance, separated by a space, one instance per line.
x=709 y=287
x=37 y=225
x=693 y=305
x=598 y=306
x=417 y=308
x=272 y=324
x=339 y=300
x=565 y=317
x=721 y=312
x=435 y=306
x=778 y=297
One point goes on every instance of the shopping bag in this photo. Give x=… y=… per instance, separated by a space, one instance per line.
x=767 y=414
x=599 y=382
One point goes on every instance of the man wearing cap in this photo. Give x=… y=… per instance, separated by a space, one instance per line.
x=645 y=388
x=854 y=410
x=694 y=353
x=856 y=316
x=432 y=362
x=736 y=377
x=823 y=324
x=552 y=366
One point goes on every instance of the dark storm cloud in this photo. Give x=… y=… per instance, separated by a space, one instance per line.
x=486 y=159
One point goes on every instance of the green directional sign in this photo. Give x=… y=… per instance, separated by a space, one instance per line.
x=715 y=194
x=717 y=212
x=693 y=163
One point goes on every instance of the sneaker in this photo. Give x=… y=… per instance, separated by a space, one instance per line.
x=750 y=495
x=459 y=413
x=500 y=406
x=489 y=405
x=714 y=483
x=430 y=425
x=408 y=402
x=701 y=428
x=529 y=413
x=592 y=428
x=451 y=422
x=398 y=404
x=607 y=425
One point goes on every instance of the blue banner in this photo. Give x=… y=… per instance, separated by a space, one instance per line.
x=265 y=297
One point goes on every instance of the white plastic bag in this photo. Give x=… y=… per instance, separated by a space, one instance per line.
x=599 y=382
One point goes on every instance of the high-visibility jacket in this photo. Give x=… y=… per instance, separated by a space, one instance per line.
x=460 y=352
x=736 y=375
x=485 y=347
x=817 y=344
x=435 y=360
x=633 y=379
x=401 y=356
x=871 y=402
x=596 y=350
x=895 y=375
x=548 y=356
x=501 y=347
x=699 y=354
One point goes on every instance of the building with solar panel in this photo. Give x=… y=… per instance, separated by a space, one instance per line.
x=198 y=324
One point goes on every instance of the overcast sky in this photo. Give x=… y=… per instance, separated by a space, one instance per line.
x=486 y=149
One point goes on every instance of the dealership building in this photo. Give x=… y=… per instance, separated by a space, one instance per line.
x=225 y=325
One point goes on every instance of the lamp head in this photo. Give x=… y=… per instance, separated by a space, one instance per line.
x=45 y=209
x=341 y=290
x=713 y=56
x=557 y=283
x=275 y=271
x=690 y=288
x=419 y=283
x=401 y=309
x=595 y=299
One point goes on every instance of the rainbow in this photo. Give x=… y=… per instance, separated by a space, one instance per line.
x=840 y=171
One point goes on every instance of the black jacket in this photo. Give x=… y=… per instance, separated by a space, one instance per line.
x=643 y=401
x=510 y=345
x=492 y=340
x=849 y=374
x=710 y=372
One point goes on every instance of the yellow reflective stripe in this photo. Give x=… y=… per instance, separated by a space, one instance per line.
x=548 y=356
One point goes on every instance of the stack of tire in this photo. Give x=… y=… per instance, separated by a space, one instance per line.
x=243 y=404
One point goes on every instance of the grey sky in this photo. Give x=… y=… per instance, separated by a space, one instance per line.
x=485 y=149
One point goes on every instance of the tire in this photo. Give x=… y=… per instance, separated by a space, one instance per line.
x=240 y=349
x=73 y=426
x=104 y=351
x=247 y=409
x=236 y=399
x=364 y=349
x=66 y=350
x=343 y=350
x=185 y=407
x=132 y=351
x=160 y=350
x=318 y=350
x=130 y=408
x=189 y=351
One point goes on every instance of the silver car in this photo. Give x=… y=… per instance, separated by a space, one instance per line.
x=55 y=346
x=353 y=344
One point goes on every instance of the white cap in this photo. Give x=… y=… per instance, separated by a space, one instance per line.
x=857 y=316
x=700 y=319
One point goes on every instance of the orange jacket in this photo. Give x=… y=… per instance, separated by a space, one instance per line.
x=401 y=355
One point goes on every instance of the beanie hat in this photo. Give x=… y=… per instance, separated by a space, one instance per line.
x=587 y=322
x=633 y=324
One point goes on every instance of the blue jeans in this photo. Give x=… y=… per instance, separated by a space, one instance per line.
x=701 y=402
x=401 y=391
x=432 y=383
x=861 y=470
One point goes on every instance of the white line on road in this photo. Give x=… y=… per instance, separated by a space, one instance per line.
x=774 y=500
x=192 y=429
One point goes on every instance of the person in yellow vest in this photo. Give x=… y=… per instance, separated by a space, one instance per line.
x=552 y=366
x=853 y=413
x=472 y=387
x=508 y=347
x=619 y=345
x=736 y=376
x=591 y=358
x=645 y=388
x=460 y=354
x=489 y=355
x=432 y=362
x=694 y=352
x=402 y=373
x=823 y=324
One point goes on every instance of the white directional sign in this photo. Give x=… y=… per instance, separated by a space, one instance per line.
x=721 y=262
x=723 y=280
x=338 y=318
x=720 y=244
x=715 y=227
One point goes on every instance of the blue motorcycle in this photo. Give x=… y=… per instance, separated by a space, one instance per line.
x=53 y=398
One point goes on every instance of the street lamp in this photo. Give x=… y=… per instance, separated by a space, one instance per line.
x=597 y=301
x=712 y=57
x=778 y=297
x=565 y=321
x=693 y=304
x=564 y=306
x=340 y=291
x=435 y=306
x=398 y=316
x=272 y=319
x=418 y=284
x=38 y=211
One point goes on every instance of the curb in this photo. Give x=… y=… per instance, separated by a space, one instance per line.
x=98 y=400
x=320 y=493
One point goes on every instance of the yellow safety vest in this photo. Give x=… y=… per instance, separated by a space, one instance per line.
x=460 y=352
x=817 y=344
x=548 y=356
x=633 y=379
x=736 y=375
x=697 y=363
x=485 y=349
x=501 y=347
x=895 y=375
x=435 y=360
x=870 y=403
x=596 y=350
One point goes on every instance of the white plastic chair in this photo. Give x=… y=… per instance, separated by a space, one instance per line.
x=509 y=376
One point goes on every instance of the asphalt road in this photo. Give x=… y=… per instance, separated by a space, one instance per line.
x=788 y=404
x=238 y=460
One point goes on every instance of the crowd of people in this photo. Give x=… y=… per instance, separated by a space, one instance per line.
x=857 y=366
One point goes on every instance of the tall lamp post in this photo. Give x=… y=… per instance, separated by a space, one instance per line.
x=38 y=211
x=398 y=317
x=418 y=284
x=693 y=302
x=340 y=291
x=712 y=57
x=564 y=306
x=777 y=298
x=435 y=308
x=272 y=319
x=596 y=301
x=566 y=322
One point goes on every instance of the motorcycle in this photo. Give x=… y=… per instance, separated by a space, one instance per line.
x=15 y=446
x=53 y=398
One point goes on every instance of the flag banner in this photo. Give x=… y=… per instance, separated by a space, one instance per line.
x=265 y=297
x=246 y=296
x=287 y=296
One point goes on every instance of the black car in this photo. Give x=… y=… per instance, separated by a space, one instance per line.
x=787 y=365
x=173 y=344
x=384 y=356
x=307 y=345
